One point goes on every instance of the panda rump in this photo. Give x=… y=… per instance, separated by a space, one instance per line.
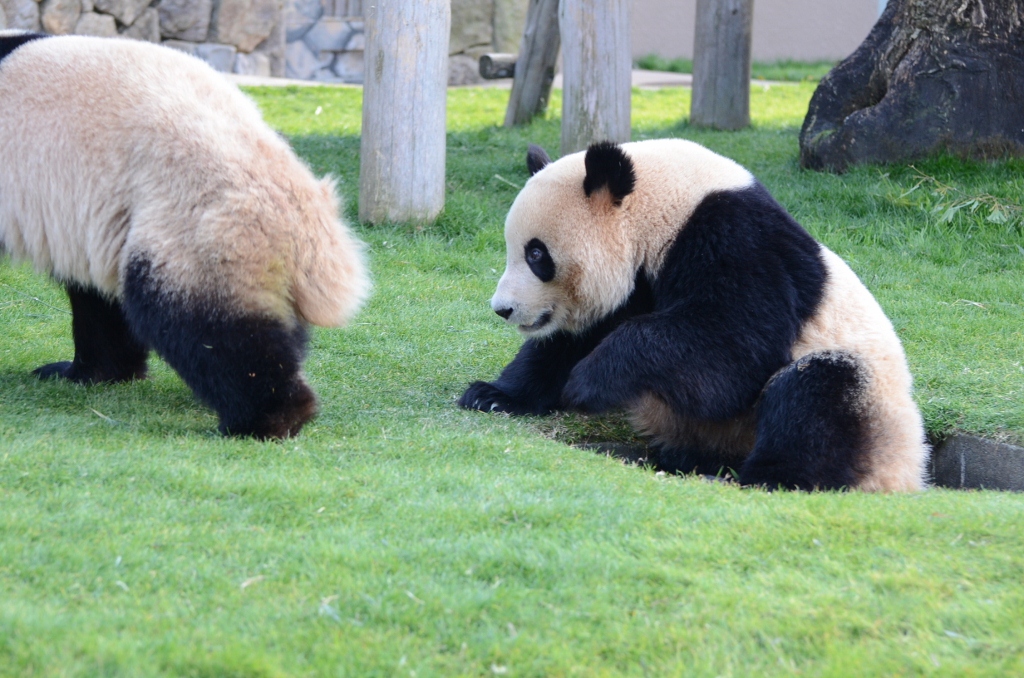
x=662 y=278
x=177 y=219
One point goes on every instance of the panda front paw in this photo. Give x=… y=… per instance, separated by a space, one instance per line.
x=485 y=397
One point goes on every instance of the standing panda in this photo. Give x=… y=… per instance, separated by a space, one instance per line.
x=663 y=278
x=178 y=221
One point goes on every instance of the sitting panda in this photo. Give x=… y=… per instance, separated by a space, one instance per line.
x=663 y=278
x=176 y=218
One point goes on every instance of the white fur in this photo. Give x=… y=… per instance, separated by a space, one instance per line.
x=115 y=147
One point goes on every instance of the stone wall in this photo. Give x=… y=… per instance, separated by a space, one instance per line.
x=239 y=36
x=293 y=38
x=330 y=48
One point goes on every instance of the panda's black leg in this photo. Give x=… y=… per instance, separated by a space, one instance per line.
x=532 y=383
x=105 y=348
x=811 y=430
x=248 y=368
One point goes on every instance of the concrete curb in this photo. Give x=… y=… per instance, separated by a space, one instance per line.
x=969 y=462
x=960 y=462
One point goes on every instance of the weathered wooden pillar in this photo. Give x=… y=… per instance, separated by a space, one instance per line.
x=596 y=72
x=721 y=64
x=535 y=64
x=401 y=168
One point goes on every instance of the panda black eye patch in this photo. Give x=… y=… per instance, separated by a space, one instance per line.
x=539 y=260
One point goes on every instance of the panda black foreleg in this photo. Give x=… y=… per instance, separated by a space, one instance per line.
x=532 y=383
x=247 y=367
x=696 y=374
x=811 y=429
x=106 y=350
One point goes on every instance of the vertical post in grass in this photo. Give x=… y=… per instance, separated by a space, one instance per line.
x=535 y=65
x=597 y=64
x=402 y=154
x=721 y=64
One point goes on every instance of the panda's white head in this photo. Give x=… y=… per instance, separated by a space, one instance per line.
x=569 y=261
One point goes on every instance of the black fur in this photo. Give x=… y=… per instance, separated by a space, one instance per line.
x=532 y=383
x=737 y=285
x=608 y=166
x=247 y=368
x=536 y=159
x=539 y=260
x=811 y=432
x=105 y=349
x=12 y=42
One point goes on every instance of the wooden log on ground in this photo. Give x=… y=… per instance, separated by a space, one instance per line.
x=721 y=64
x=498 y=65
x=933 y=76
x=402 y=154
x=535 y=67
x=597 y=67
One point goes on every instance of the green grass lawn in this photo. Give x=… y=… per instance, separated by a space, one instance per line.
x=401 y=536
x=786 y=70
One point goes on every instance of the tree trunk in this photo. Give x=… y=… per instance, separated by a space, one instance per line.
x=932 y=76
x=535 y=64
x=596 y=72
x=402 y=153
x=721 y=64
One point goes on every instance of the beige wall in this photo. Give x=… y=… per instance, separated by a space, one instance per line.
x=806 y=30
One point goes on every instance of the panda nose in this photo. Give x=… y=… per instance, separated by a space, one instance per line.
x=504 y=312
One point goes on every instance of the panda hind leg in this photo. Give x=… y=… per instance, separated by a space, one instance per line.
x=106 y=350
x=811 y=426
x=246 y=367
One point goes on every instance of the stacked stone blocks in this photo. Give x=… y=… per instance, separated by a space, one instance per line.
x=234 y=36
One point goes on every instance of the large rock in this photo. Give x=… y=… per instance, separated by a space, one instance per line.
x=300 y=15
x=60 y=16
x=23 y=14
x=934 y=76
x=472 y=28
x=252 y=64
x=185 y=19
x=463 y=70
x=357 y=40
x=273 y=48
x=125 y=11
x=181 y=45
x=220 y=57
x=91 y=23
x=509 y=22
x=146 y=27
x=244 y=23
x=329 y=34
x=302 y=63
x=349 y=67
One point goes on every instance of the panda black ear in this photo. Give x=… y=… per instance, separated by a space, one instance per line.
x=536 y=159
x=609 y=167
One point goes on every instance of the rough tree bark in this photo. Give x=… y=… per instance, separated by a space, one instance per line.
x=721 y=64
x=402 y=153
x=535 y=65
x=933 y=75
x=596 y=72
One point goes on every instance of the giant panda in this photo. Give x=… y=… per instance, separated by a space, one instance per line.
x=660 y=277
x=178 y=221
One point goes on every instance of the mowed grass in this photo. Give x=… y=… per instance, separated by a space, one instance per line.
x=401 y=536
